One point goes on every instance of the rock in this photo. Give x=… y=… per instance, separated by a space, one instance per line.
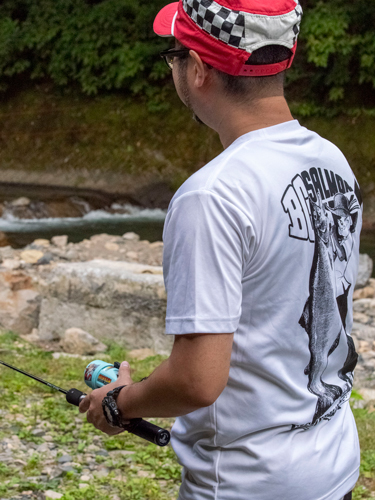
x=46 y=259
x=32 y=337
x=31 y=256
x=11 y=264
x=364 y=293
x=103 y=472
x=38 y=432
x=114 y=301
x=132 y=255
x=131 y=237
x=145 y=473
x=60 y=241
x=113 y=247
x=4 y=242
x=157 y=244
x=41 y=243
x=19 y=302
x=365 y=271
x=64 y=459
x=58 y=355
x=363 y=332
x=367 y=394
x=365 y=306
x=67 y=468
x=140 y=354
x=20 y=202
x=77 y=341
x=363 y=346
x=85 y=478
x=102 y=453
x=53 y=494
x=42 y=448
x=361 y=317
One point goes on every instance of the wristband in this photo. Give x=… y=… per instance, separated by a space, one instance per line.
x=110 y=410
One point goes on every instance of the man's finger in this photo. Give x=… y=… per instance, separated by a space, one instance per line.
x=124 y=373
x=84 y=404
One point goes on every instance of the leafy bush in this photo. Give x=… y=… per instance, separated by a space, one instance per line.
x=335 y=65
x=109 y=45
x=99 y=46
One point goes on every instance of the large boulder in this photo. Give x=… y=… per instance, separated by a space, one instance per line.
x=117 y=301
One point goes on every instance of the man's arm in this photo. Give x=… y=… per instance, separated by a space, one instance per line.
x=192 y=377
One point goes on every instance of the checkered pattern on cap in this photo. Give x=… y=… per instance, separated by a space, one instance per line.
x=220 y=22
x=228 y=25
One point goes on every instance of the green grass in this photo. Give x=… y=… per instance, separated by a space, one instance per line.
x=37 y=404
x=147 y=472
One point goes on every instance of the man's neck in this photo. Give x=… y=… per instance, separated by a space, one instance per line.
x=261 y=113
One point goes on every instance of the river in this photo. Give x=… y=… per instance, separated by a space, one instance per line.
x=148 y=223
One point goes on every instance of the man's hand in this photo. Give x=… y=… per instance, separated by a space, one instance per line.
x=92 y=404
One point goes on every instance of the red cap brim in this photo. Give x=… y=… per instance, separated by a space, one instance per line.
x=164 y=21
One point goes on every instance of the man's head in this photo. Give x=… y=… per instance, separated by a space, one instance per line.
x=237 y=51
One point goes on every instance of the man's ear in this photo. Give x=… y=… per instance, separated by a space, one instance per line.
x=201 y=70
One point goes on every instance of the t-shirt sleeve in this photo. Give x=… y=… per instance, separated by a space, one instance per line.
x=205 y=247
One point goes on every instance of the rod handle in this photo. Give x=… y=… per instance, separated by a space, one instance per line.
x=148 y=431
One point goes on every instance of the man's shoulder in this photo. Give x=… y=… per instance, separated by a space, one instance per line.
x=220 y=174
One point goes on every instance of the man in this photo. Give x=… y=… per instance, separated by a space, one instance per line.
x=248 y=274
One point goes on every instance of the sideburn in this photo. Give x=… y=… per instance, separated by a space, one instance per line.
x=182 y=80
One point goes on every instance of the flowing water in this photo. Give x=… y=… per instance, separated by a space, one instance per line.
x=148 y=223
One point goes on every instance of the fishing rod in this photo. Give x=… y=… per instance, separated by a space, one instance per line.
x=138 y=426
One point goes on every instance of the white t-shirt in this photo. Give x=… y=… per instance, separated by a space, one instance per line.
x=264 y=241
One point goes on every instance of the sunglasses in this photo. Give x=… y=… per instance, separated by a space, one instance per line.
x=169 y=54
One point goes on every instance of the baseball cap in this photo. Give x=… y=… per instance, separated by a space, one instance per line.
x=226 y=32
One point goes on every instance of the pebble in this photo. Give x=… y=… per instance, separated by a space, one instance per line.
x=132 y=255
x=64 y=459
x=38 y=432
x=103 y=453
x=40 y=242
x=53 y=494
x=60 y=241
x=11 y=264
x=131 y=236
x=31 y=256
x=113 y=247
x=46 y=259
x=103 y=472
x=86 y=478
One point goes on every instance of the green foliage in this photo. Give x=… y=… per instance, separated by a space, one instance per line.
x=334 y=68
x=109 y=45
x=102 y=46
x=161 y=461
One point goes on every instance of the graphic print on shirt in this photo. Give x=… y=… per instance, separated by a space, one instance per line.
x=323 y=209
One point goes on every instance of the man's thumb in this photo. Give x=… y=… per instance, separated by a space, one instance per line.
x=124 y=372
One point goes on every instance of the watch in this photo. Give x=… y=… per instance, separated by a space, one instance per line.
x=111 y=412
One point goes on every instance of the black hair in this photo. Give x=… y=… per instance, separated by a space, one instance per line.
x=243 y=87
